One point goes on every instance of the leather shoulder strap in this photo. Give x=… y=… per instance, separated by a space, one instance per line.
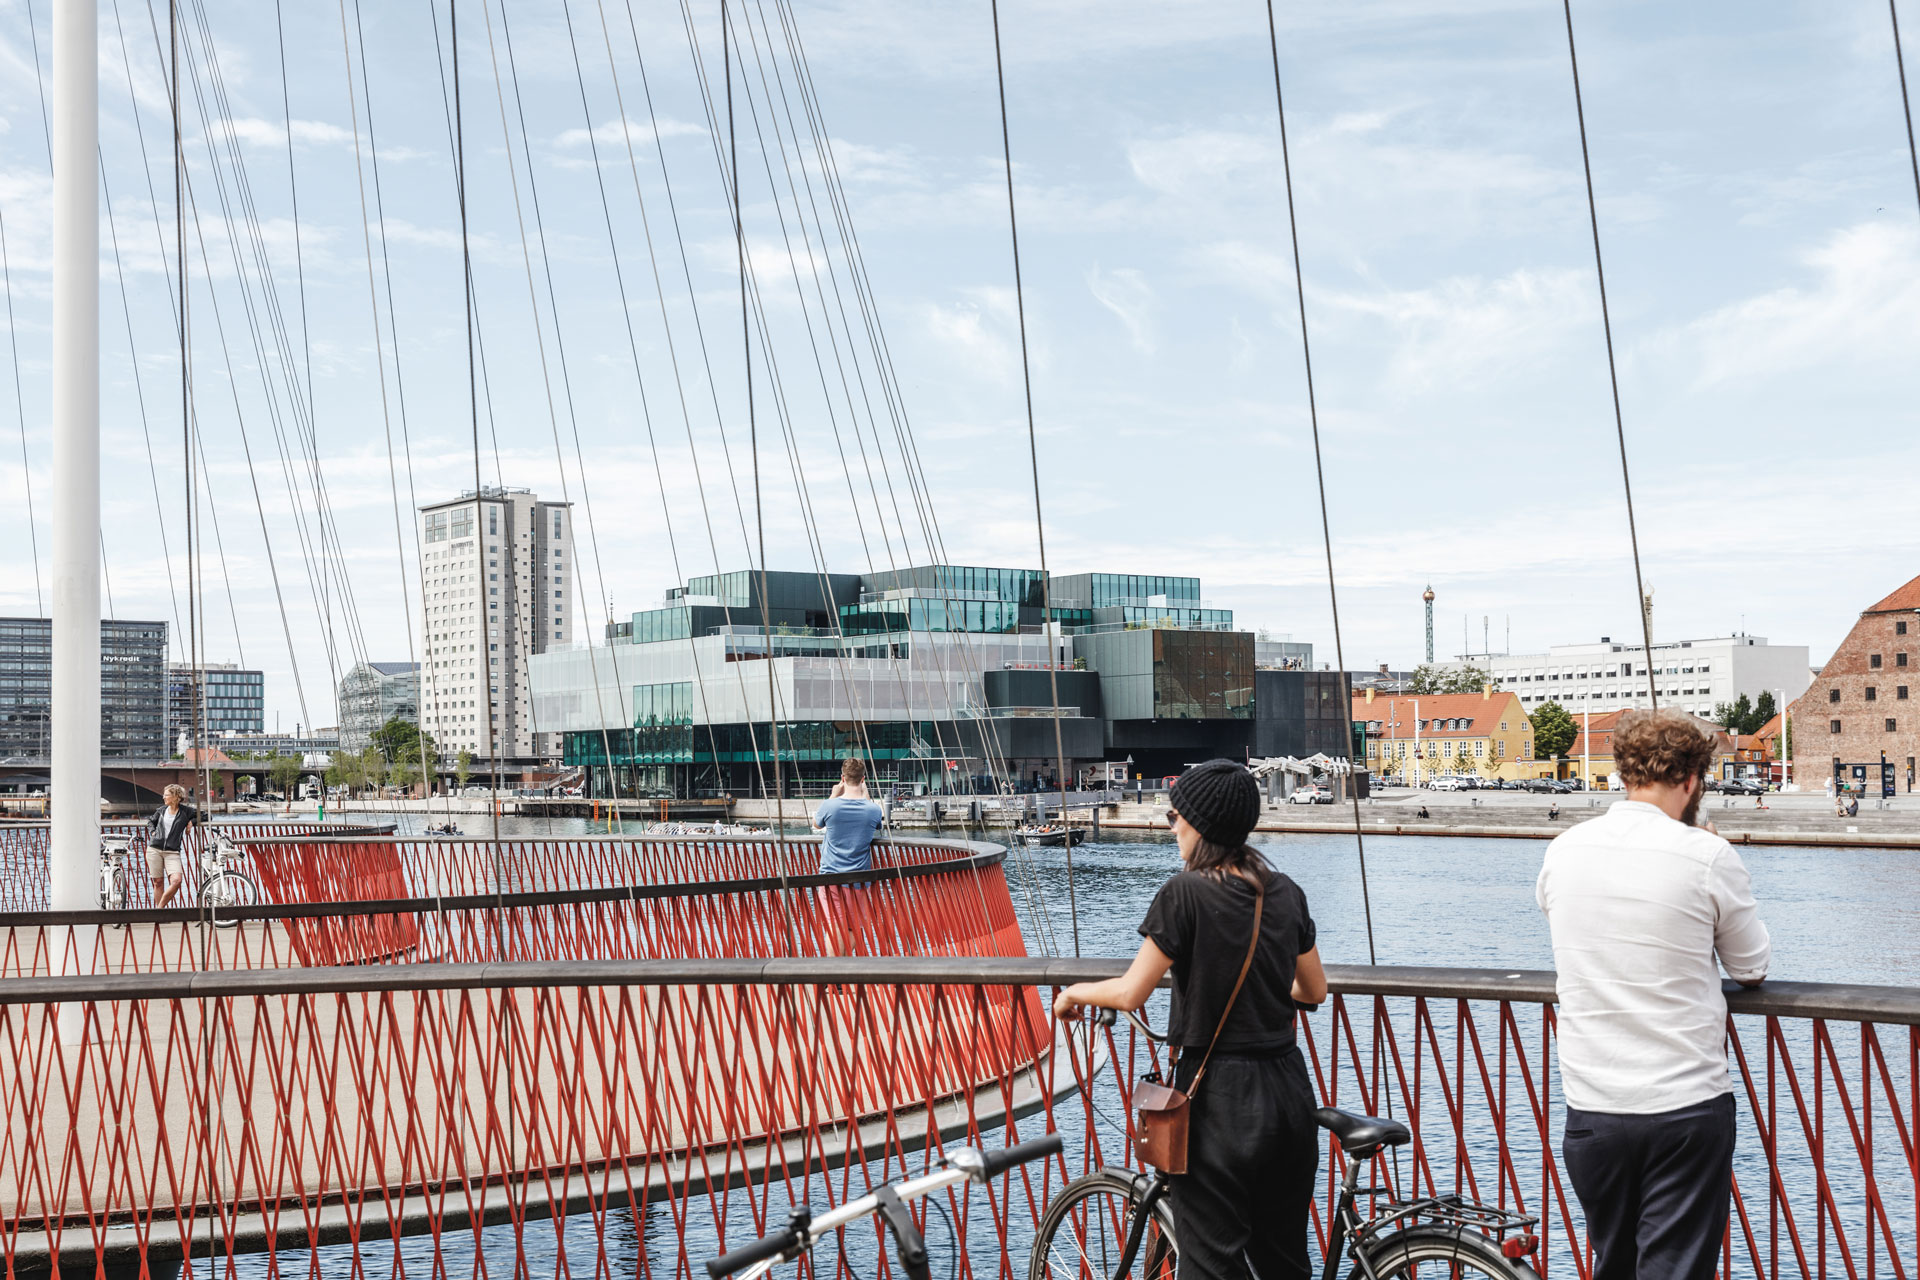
x=1246 y=966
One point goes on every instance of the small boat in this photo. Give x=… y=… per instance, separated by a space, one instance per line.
x=703 y=829
x=1050 y=836
x=445 y=830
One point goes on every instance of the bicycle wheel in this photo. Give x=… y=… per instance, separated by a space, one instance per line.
x=1441 y=1253
x=228 y=890
x=1085 y=1230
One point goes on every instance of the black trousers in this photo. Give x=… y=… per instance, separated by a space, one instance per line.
x=1655 y=1188
x=1253 y=1160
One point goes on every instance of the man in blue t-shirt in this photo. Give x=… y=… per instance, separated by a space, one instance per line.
x=847 y=820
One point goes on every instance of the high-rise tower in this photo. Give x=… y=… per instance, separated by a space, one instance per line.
x=1428 y=597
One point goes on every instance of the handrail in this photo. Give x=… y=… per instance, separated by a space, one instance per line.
x=992 y=856
x=1890 y=1005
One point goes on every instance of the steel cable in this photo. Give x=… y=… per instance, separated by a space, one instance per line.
x=1613 y=376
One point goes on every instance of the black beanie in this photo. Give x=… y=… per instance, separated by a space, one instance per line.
x=1220 y=800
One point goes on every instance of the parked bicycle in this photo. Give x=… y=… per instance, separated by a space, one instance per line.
x=890 y=1201
x=1117 y=1224
x=114 y=852
x=223 y=885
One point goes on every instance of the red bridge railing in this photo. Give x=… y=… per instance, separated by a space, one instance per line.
x=378 y=900
x=631 y=1116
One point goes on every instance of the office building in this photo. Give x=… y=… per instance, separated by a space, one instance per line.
x=497 y=578
x=321 y=742
x=1692 y=675
x=945 y=677
x=1859 y=720
x=231 y=699
x=372 y=693
x=133 y=689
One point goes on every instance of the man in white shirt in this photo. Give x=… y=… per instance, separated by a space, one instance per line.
x=1640 y=902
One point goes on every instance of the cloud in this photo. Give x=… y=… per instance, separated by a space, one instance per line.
x=1861 y=308
x=1126 y=293
x=617 y=131
x=1459 y=331
x=980 y=332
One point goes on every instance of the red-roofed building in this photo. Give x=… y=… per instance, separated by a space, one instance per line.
x=1434 y=734
x=1861 y=711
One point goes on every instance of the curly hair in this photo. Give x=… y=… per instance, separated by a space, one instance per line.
x=1661 y=746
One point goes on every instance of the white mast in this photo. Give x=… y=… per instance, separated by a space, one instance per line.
x=75 y=802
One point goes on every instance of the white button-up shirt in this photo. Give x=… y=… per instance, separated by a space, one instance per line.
x=1639 y=905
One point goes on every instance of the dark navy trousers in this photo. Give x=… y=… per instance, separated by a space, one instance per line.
x=1655 y=1188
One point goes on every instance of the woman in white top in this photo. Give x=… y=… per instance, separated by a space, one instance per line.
x=166 y=836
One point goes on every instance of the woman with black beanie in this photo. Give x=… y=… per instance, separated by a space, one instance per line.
x=1241 y=1208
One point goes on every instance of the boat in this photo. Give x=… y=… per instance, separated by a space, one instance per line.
x=445 y=830
x=1050 y=836
x=704 y=829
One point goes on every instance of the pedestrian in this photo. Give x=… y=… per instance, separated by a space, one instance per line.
x=1640 y=901
x=1853 y=806
x=166 y=835
x=847 y=820
x=1423 y=810
x=1553 y=810
x=1238 y=938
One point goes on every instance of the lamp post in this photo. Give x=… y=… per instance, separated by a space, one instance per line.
x=1786 y=740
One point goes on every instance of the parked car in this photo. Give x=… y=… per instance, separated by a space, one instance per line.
x=1740 y=787
x=1542 y=786
x=1312 y=793
x=1446 y=782
x=268 y=797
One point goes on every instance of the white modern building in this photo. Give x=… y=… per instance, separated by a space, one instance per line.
x=497 y=587
x=372 y=693
x=1692 y=675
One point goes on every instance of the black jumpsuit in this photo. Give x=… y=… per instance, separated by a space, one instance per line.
x=1242 y=1207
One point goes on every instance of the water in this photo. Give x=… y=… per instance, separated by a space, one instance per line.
x=1836 y=915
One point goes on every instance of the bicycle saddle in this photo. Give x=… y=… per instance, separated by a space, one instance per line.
x=1362 y=1135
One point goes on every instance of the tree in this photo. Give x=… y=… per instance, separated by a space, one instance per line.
x=1467 y=679
x=1553 y=731
x=403 y=740
x=285 y=772
x=1763 y=711
x=1490 y=765
x=463 y=767
x=1733 y=716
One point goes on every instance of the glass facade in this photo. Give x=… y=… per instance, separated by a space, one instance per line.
x=672 y=623
x=1014 y=586
x=1175 y=616
x=914 y=613
x=133 y=689
x=231 y=700
x=801 y=741
x=662 y=724
x=1202 y=675
x=733 y=590
x=1109 y=589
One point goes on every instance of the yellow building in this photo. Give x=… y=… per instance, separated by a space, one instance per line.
x=1417 y=737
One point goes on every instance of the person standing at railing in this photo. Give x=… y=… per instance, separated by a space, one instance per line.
x=847 y=821
x=1640 y=902
x=166 y=837
x=1253 y=1148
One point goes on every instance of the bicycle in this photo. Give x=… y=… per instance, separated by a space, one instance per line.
x=1404 y=1239
x=114 y=851
x=890 y=1201
x=223 y=886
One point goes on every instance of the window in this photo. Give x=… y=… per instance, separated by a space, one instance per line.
x=1833 y=695
x=1873 y=660
x=1900 y=628
x=1892 y=725
x=1900 y=658
x=1833 y=726
x=1872 y=693
x=1900 y=693
x=1503 y=726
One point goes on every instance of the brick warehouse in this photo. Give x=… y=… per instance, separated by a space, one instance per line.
x=1864 y=706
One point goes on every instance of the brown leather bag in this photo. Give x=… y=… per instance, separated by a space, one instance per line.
x=1161 y=1111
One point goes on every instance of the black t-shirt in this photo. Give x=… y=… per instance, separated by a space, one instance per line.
x=1203 y=920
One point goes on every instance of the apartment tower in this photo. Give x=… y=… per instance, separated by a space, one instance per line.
x=496 y=578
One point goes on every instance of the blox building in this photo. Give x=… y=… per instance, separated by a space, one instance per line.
x=944 y=677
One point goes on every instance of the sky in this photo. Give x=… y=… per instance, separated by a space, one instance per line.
x=1756 y=210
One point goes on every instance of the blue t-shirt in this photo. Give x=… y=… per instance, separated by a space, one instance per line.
x=847 y=826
